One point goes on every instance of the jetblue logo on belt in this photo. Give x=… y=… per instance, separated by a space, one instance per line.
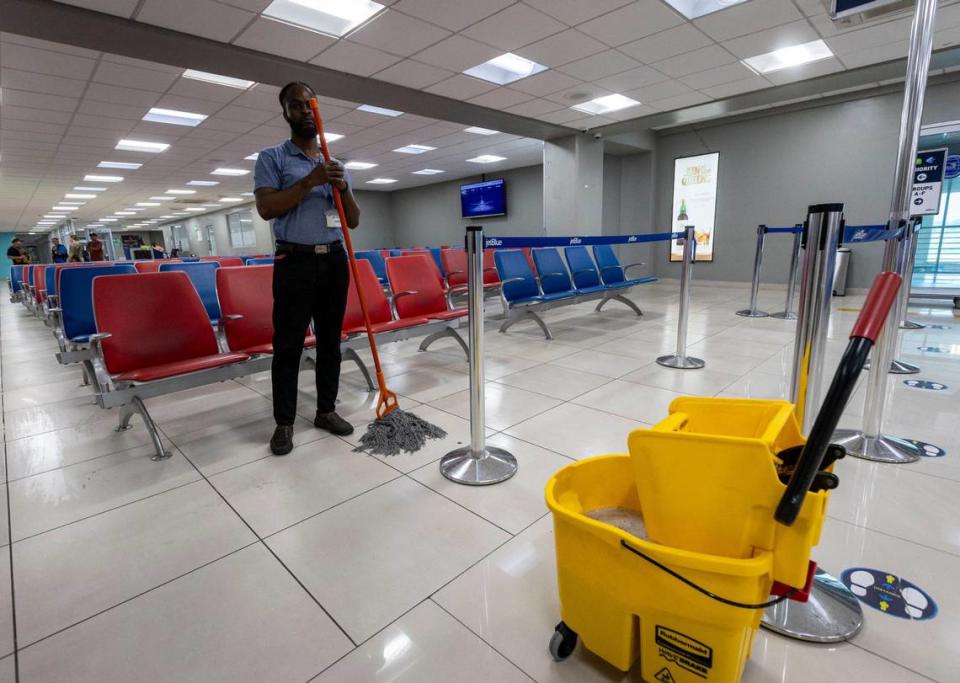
x=859 y=235
x=575 y=240
x=632 y=238
x=494 y=242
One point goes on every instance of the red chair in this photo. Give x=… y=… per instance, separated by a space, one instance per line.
x=39 y=284
x=154 y=337
x=455 y=263
x=378 y=306
x=417 y=291
x=246 y=305
x=147 y=266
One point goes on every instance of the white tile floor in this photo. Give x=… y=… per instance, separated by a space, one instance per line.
x=226 y=564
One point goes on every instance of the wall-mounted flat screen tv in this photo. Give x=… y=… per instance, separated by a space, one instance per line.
x=483 y=200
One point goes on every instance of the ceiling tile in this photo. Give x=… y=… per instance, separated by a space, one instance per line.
x=457 y=53
x=276 y=38
x=562 y=48
x=132 y=97
x=514 y=27
x=882 y=34
x=30 y=114
x=636 y=20
x=801 y=73
x=42 y=83
x=187 y=87
x=198 y=17
x=252 y=5
x=666 y=44
x=588 y=122
x=501 y=98
x=140 y=63
x=811 y=7
x=111 y=109
x=582 y=92
x=534 y=107
x=120 y=8
x=260 y=96
x=461 y=87
x=634 y=78
x=659 y=91
x=691 y=62
x=22 y=98
x=398 y=34
x=354 y=58
x=451 y=15
x=717 y=76
x=750 y=84
x=132 y=77
x=748 y=17
x=681 y=101
x=879 y=53
x=600 y=65
x=189 y=104
x=761 y=42
x=412 y=74
x=573 y=12
x=545 y=83
x=45 y=62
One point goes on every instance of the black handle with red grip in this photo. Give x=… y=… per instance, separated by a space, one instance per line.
x=868 y=327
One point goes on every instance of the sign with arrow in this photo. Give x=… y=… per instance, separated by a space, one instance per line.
x=927 y=182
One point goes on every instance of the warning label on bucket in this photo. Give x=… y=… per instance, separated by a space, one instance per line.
x=684 y=651
x=664 y=676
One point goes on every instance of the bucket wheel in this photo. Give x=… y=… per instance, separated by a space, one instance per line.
x=563 y=642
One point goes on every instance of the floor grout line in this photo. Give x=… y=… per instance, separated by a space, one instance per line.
x=6 y=484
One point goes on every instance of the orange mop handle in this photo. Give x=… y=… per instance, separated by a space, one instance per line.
x=388 y=400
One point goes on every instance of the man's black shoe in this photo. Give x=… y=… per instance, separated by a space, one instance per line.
x=282 y=441
x=333 y=423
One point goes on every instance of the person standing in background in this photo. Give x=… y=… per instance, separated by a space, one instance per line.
x=17 y=254
x=95 y=248
x=75 y=254
x=58 y=252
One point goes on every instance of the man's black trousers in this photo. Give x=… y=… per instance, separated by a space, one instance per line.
x=307 y=286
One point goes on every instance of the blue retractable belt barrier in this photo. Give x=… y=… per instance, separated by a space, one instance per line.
x=517 y=242
x=853 y=234
x=793 y=230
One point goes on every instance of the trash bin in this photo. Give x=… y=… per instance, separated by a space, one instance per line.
x=840 y=271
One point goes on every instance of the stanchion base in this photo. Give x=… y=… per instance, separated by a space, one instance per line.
x=882 y=448
x=680 y=362
x=898 y=367
x=784 y=315
x=750 y=313
x=832 y=614
x=911 y=325
x=463 y=467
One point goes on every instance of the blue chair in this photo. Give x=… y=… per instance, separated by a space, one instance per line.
x=16 y=279
x=203 y=275
x=259 y=261
x=190 y=259
x=376 y=261
x=396 y=252
x=612 y=272
x=75 y=306
x=435 y=253
x=554 y=279
x=519 y=291
x=587 y=279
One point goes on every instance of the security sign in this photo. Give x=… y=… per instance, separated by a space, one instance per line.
x=927 y=181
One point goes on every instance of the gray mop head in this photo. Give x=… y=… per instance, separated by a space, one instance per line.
x=398 y=431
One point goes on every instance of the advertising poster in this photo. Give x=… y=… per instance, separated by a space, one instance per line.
x=695 y=202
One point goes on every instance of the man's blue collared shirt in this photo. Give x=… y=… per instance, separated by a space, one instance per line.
x=283 y=166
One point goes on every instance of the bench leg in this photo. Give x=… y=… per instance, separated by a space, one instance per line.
x=622 y=299
x=510 y=321
x=351 y=354
x=136 y=405
x=445 y=332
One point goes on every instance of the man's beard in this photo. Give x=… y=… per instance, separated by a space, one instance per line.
x=304 y=129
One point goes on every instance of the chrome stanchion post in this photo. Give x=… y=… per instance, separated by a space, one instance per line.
x=870 y=443
x=753 y=311
x=832 y=613
x=787 y=313
x=904 y=301
x=680 y=359
x=477 y=464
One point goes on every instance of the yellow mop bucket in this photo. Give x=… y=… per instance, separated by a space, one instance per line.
x=708 y=481
x=620 y=592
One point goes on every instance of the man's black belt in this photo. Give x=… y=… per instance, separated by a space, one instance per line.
x=293 y=247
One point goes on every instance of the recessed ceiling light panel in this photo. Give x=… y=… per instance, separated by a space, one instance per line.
x=82 y=188
x=80 y=196
x=382 y=181
x=476 y=130
x=786 y=57
x=174 y=117
x=486 y=159
x=506 y=68
x=606 y=104
x=125 y=165
x=370 y=109
x=181 y=191
x=692 y=9
x=142 y=146
x=359 y=165
x=330 y=17
x=229 y=171
x=427 y=171
x=414 y=149
x=162 y=199
x=206 y=77
x=103 y=178
x=204 y=183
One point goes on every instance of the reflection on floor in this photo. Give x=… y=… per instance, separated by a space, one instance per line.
x=226 y=564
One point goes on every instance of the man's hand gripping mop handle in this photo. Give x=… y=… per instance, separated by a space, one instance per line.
x=387 y=402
